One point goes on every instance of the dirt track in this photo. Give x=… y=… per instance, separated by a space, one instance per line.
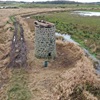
x=18 y=54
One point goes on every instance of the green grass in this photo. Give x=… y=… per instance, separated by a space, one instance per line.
x=84 y=30
x=18 y=88
x=33 y=5
x=12 y=18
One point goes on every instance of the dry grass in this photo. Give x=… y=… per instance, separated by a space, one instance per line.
x=82 y=73
x=67 y=54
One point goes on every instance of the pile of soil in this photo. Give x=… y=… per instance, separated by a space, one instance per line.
x=67 y=54
x=83 y=72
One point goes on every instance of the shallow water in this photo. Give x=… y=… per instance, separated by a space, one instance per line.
x=66 y=37
x=87 y=13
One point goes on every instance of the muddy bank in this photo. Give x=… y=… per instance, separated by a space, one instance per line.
x=18 y=53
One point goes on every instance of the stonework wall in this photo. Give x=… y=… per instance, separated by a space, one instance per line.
x=45 y=46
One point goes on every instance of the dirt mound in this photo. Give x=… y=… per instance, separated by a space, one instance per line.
x=82 y=73
x=30 y=23
x=67 y=54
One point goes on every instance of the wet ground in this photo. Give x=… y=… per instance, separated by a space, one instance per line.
x=18 y=54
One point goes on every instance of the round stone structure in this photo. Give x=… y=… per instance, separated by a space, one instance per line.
x=45 y=46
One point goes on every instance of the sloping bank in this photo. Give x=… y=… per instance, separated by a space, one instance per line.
x=96 y=61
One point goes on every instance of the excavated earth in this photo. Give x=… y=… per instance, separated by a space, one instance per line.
x=55 y=82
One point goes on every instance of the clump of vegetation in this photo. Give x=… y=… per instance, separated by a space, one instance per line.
x=12 y=18
x=93 y=90
x=84 y=30
x=81 y=83
x=80 y=91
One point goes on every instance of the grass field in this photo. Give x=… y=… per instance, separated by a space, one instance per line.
x=84 y=30
x=39 y=5
x=59 y=5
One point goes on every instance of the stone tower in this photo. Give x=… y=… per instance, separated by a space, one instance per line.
x=45 y=46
